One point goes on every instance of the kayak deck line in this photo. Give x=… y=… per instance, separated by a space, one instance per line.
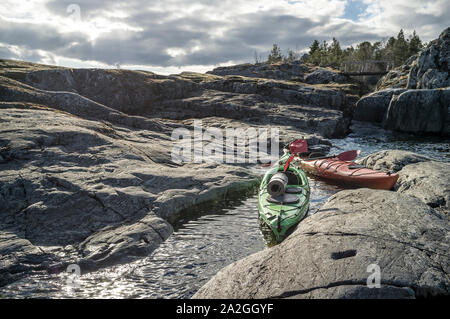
x=349 y=172
x=354 y=170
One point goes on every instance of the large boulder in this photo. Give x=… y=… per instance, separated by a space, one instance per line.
x=333 y=253
x=323 y=76
x=431 y=69
x=429 y=181
x=424 y=107
x=419 y=111
x=419 y=176
x=372 y=107
x=428 y=69
x=391 y=160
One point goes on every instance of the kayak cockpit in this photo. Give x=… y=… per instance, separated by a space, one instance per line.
x=284 y=199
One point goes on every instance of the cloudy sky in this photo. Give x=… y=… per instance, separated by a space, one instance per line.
x=170 y=36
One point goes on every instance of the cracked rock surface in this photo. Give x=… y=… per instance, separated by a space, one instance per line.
x=86 y=192
x=329 y=253
x=86 y=174
x=419 y=176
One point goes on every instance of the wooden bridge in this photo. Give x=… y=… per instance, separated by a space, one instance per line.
x=367 y=67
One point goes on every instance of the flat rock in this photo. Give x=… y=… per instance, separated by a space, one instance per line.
x=324 y=76
x=292 y=71
x=110 y=94
x=331 y=253
x=88 y=192
x=131 y=92
x=255 y=108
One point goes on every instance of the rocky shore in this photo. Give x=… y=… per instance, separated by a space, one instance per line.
x=86 y=175
x=415 y=97
x=87 y=178
x=405 y=233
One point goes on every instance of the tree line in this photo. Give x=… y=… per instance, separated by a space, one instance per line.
x=325 y=54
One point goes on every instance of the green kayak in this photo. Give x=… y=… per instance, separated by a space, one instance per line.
x=285 y=210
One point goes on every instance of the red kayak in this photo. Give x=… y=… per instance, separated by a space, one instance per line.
x=349 y=172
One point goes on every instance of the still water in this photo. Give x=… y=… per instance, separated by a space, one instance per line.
x=210 y=239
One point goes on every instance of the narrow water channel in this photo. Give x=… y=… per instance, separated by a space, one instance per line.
x=200 y=246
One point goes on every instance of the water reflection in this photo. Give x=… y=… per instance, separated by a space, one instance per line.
x=199 y=247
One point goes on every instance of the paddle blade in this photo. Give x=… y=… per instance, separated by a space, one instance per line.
x=298 y=146
x=349 y=155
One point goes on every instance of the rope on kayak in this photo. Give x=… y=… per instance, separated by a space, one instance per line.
x=315 y=163
x=339 y=165
x=357 y=170
x=370 y=173
x=331 y=164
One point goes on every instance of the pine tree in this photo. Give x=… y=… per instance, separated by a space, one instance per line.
x=275 y=55
x=401 y=52
x=415 y=44
x=378 y=50
x=396 y=50
x=364 y=51
x=292 y=56
x=314 y=47
x=388 y=50
x=323 y=57
x=335 y=54
x=314 y=53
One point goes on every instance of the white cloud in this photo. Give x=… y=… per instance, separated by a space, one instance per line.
x=428 y=18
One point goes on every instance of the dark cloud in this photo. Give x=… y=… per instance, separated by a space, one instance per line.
x=33 y=36
x=26 y=55
x=122 y=48
x=163 y=25
x=265 y=29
